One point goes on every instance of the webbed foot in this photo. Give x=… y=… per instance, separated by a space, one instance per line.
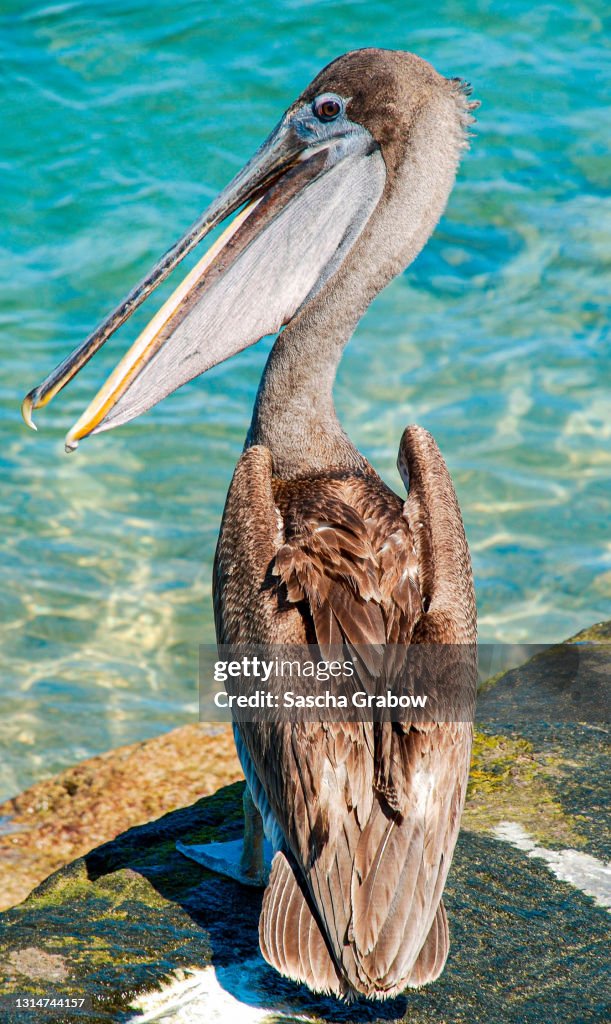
x=246 y=860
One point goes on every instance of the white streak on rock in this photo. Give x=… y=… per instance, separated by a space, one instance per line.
x=582 y=870
x=207 y=995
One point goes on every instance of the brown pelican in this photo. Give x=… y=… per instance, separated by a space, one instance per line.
x=313 y=545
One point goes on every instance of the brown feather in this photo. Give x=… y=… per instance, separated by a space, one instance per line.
x=300 y=952
x=369 y=813
x=434 y=953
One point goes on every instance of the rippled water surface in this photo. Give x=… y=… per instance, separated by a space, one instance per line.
x=122 y=120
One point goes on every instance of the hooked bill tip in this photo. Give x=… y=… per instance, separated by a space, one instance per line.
x=27 y=408
x=70 y=445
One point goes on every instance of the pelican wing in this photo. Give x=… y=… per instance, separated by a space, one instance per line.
x=366 y=815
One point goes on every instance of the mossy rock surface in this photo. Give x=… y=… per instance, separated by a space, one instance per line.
x=567 y=682
x=536 y=760
x=118 y=921
x=526 y=948
x=59 y=819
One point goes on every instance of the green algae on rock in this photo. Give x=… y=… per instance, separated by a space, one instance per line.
x=119 y=917
x=122 y=921
x=134 y=914
x=59 y=819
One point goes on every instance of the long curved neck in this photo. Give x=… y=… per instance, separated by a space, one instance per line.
x=294 y=415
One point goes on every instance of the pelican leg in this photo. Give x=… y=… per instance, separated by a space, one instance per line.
x=252 y=862
x=246 y=860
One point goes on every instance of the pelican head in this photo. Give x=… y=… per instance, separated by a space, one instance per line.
x=376 y=131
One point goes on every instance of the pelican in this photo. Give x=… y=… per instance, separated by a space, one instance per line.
x=313 y=546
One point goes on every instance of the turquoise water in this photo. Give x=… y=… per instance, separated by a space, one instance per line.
x=124 y=119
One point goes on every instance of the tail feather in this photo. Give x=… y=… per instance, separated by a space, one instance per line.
x=290 y=937
x=433 y=955
x=291 y=940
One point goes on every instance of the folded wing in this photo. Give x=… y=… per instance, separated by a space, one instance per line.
x=368 y=814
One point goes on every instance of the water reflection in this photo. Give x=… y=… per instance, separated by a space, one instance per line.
x=130 y=121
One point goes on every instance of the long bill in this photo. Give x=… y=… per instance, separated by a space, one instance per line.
x=300 y=205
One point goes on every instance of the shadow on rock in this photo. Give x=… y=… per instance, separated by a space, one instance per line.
x=226 y=912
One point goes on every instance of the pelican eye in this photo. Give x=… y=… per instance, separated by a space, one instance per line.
x=327 y=107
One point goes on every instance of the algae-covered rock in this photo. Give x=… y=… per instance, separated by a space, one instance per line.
x=134 y=916
x=567 y=682
x=541 y=750
x=119 y=919
x=59 y=819
x=119 y=922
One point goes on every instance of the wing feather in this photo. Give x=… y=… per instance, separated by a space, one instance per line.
x=368 y=814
